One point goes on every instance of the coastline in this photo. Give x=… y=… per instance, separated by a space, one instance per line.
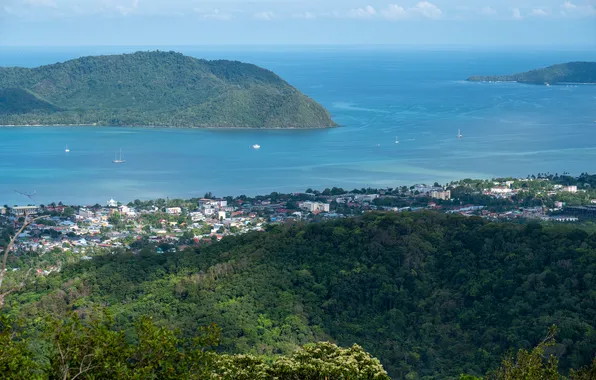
x=168 y=127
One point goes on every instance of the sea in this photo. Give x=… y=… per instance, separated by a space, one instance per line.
x=376 y=94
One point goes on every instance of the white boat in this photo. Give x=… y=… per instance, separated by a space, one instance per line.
x=396 y=140
x=118 y=160
x=459 y=135
x=256 y=146
x=67 y=150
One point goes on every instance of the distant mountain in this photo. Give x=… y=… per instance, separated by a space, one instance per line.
x=572 y=72
x=155 y=89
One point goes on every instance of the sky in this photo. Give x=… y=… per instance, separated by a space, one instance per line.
x=297 y=22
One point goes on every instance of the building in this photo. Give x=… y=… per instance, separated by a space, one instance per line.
x=570 y=189
x=582 y=211
x=85 y=213
x=314 y=206
x=221 y=215
x=501 y=190
x=442 y=194
x=2 y=210
x=112 y=203
x=559 y=204
x=174 y=210
x=22 y=210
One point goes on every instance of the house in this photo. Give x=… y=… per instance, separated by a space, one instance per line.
x=2 y=210
x=221 y=215
x=174 y=210
x=570 y=189
x=501 y=190
x=112 y=203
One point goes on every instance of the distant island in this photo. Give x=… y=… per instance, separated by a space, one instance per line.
x=155 y=89
x=572 y=72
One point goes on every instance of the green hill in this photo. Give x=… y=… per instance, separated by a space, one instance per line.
x=572 y=72
x=430 y=295
x=156 y=89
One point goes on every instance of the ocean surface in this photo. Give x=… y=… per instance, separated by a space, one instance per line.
x=376 y=94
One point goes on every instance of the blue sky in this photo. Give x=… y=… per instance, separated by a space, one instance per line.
x=297 y=22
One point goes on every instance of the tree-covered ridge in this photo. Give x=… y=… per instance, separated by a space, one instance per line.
x=572 y=72
x=430 y=295
x=157 y=89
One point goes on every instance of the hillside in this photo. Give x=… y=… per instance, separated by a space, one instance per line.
x=155 y=89
x=572 y=72
x=430 y=295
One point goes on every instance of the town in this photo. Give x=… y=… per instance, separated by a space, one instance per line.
x=67 y=233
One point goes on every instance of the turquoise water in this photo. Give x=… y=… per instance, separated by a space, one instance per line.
x=375 y=94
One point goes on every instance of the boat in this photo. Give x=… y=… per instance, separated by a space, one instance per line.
x=256 y=146
x=459 y=135
x=67 y=150
x=396 y=140
x=118 y=160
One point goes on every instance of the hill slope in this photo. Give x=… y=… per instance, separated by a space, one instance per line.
x=158 y=89
x=430 y=295
x=572 y=72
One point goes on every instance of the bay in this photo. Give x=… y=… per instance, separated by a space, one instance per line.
x=375 y=94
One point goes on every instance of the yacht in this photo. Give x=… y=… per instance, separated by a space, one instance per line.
x=396 y=140
x=459 y=135
x=67 y=150
x=119 y=160
x=256 y=146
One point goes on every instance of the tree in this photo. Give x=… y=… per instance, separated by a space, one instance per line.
x=530 y=365
x=3 y=291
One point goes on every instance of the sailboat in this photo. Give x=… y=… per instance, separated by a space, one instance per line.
x=459 y=135
x=119 y=160
x=396 y=140
x=67 y=150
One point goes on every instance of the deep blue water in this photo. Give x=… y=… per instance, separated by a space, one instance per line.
x=376 y=94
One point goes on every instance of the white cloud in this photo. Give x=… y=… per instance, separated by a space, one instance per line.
x=571 y=9
x=516 y=14
x=306 y=16
x=366 y=12
x=423 y=8
x=488 y=11
x=124 y=10
x=264 y=16
x=214 y=14
x=539 y=12
x=428 y=10
x=394 y=12
x=568 y=5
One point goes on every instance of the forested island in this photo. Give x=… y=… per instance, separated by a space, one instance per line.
x=572 y=72
x=430 y=295
x=154 y=89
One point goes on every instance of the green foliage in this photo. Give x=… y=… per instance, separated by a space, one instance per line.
x=572 y=72
x=90 y=348
x=431 y=295
x=155 y=89
x=16 y=360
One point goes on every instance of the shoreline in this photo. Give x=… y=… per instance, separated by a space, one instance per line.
x=168 y=127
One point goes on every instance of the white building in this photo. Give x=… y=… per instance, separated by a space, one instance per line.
x=174 y=210
x=112 y=203
x=22 y=210
x=314 y=206
x=443 y=194
x=501 y=190
x=570 y=189
x=221 y=215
